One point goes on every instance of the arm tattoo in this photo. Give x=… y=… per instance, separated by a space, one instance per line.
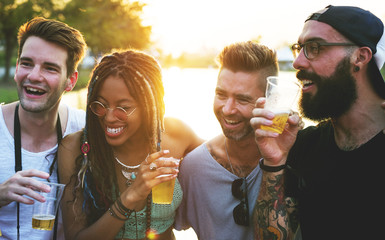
x=273 y=214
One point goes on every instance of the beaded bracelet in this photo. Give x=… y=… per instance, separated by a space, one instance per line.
x=122 y=209
x=112 y=213
x=270 y=168
x=120 y=204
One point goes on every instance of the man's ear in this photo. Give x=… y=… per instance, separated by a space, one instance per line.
x=16 y=69
x=71 y=81
x=364 y=55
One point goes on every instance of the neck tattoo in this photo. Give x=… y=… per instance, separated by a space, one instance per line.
x=129 y=172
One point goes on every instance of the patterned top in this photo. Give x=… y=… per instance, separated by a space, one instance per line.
x=162 y=217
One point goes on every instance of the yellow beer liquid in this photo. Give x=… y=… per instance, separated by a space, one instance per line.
x=163 y=193
x=43 y=222
x=279 y=122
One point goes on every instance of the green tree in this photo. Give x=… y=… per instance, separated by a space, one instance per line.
x=14 y=13
x=108 y=24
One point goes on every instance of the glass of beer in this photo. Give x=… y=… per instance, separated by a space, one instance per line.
x=163 y=193
x=43 y=214
x=281 y=94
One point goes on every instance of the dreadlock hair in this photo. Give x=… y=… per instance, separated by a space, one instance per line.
x=96 y=173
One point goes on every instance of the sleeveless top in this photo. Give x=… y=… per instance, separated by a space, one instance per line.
x=30 y=160
x=162 y=217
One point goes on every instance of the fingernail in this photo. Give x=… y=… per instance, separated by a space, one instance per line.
x=166 y=151
x=270 y=115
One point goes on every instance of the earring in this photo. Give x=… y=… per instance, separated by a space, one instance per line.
x=356 y=69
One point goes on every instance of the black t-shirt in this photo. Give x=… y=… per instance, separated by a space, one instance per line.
x=340 y=193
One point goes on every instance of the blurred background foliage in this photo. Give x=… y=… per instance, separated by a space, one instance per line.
x=106 y=25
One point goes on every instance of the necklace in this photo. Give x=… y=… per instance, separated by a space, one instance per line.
x=126 y=166
x=130 y=176
x=228 y=158
x=128 y=171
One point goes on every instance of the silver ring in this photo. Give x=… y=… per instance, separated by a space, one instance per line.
x=153 y=167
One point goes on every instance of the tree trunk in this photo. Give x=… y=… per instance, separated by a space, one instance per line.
x=9 y=49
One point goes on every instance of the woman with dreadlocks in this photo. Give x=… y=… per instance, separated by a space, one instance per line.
x=111 y=166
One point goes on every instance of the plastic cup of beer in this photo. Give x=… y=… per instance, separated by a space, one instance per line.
x=163 y=193
x=44 y=213
x=281 y=94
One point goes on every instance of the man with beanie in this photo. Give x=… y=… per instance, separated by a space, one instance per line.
x=326 y=182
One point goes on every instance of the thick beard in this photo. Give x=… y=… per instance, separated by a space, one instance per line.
x=335 y=94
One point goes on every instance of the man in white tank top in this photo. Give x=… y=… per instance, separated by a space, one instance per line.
x=49 y=53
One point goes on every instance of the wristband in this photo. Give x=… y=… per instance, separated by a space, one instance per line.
x=270 y=168
x=112 y=213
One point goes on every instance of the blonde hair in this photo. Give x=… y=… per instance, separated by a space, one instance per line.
x=248 y=57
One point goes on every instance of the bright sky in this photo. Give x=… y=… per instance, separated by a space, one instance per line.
x=194 y=25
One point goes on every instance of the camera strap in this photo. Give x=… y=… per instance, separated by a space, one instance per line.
x=18 y=165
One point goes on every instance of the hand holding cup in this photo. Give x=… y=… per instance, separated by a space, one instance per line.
x=44 y=213
x=163 y=193
x=281 y=94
